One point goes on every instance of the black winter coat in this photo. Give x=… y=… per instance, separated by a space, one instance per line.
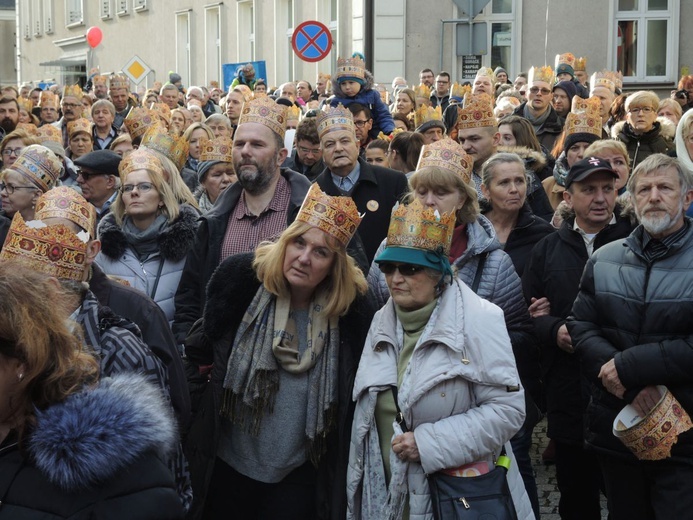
x=549 y=130
x=294 y=163
x=230 y=292
x=554 y=270
x=640 y=147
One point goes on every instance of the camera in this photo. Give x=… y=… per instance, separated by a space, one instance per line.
x=681 y=94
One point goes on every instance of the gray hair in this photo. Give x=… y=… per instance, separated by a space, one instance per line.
x=219 y=118
x=487 y=170
x=168 y=86
x=660 y=161
x=104 y=103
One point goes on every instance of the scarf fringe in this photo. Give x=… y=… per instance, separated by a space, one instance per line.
x=318 y=445
x=247 y=412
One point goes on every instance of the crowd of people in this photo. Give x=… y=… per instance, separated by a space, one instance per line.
x=302 y=303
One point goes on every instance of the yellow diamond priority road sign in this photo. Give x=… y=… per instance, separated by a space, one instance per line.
x=136 y=70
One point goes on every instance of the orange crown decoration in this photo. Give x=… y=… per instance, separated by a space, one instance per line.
x=584 y=117
x=449 y=155
x=580 y=64
x=116 y=81
x=25 y=103
x=48 y=99
x=78 y=125
x=139 y=120
x=168 y=143
x=265 y=111
x=334 y=118
x=422 y=91
x=293 y=113
x=39 y=165
x=565 y=59
x=488 y=72
x=336 y=216
x=390 y=137
x=163 y=111
x=544 y=74
x=476 y=112
x=460 y=91
x=49 y=133
x=424 y=114
x=64 y=202
x=73 y=91
x=29 y=128
x=217 y=149
x=350 y=68
x=99 y=79
x=419 y=227
x=53 y=250
x=140 y=159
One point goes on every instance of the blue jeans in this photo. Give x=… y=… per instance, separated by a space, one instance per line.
x=521 y=444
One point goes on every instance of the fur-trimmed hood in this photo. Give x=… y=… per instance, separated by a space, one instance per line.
x=369 y=81
x=534 y=161
x=667 y=129
x=174 y=241
x=91 y=436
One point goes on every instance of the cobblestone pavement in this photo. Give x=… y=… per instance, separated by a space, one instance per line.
x=546 y=477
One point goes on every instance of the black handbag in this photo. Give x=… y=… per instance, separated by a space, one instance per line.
x=484 y=497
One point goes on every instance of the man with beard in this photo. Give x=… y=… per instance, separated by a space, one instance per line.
x=9 y=116
x=258 y=207
x=100 y=86
x=71 y=106
x=631 y=328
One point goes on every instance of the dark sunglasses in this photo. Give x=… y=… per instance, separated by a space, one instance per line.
x=404 y=269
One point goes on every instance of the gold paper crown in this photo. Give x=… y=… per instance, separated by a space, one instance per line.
x=422 y=91
x=139 y=120
x=580 y=64
x=53 y=250
x=293 y=113
x=49 y=133
x=39 y=165
x=117 y=81
x=99 y=80
x=168 y=143
x=217 y=149
x=163 y=111
x=324 y=76
x=460 y=90
x=384 y=94
x=64 y=202
x=418 y=227
x=336 y=216
x=565 y=59
x=78 y=125
x=73 y=91
x=584 y=117
x=334 y=118
x=449 y=155
x=608 y=79
x=48 y=99
x=476 y=112
x=544 y=74
x=350 y=68
x=29 y=128
x=265 y=111
x=390 y=137
x=140 y=159
x=245 y=91
x=424 y=114
x=25 y=103
x=488 y=72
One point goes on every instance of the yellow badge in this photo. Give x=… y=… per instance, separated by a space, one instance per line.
x=372 y=205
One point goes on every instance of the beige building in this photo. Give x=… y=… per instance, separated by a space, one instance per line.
x=8 y=40
x=643 y=38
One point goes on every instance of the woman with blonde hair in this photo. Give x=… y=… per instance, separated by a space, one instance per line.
x=194 y=135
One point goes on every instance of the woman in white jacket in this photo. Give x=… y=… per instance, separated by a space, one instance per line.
x=448 y=355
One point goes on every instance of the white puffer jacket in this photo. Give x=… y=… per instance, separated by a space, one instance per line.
x=463 y=402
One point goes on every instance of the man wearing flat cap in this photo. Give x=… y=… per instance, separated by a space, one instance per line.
x=97 y=176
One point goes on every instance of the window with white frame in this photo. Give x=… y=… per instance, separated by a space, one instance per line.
x=645 y=40
x=122 y=7
x=105 y=9
x=213 y=43
x=48 y=17
x=245 y=16
x=74 y=12
x=25 y=20
x=183 y=50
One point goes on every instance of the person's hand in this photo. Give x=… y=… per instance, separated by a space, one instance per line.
x=610 y=379
x=539 y=307
x=646 y=400
x=563 y=339
x=405 y=448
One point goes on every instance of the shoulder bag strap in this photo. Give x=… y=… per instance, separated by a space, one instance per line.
x=158 y=277
x=399 y=418
x=479 y=272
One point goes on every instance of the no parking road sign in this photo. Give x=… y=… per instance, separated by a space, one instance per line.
x=312 y=41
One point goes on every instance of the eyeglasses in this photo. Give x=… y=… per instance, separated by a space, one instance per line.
x=142 y=187
x=405 y=270
x=311 y=151
x=536 y=90
x=12 y=151
x=9 y=188
x=88 y=175
x=361 y=124
x=644 y=110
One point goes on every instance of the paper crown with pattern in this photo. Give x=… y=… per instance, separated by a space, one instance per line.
x=545 y=74
x=336 y=216
x=217 y=149
x=567 y=58
x=580 y=64
x=350 y=68
x=163 y=111
x=459 y=91
x=422 y=91
x=476 y=112
x=25 y=103
x=267 y=112
x=449 y=155
x=140 y=159
x=584 y=117
x=48 y=99
x=29 y=128
x=39 y=165
x=116 y=81
x=49 y=133
x=78 y=125
x=418 y=227
x=487 y=72
x=293 y=113
x=139 y=120
x=167 y=143
x=64 y=202
x=652 y=437
x=245 y=91
x=424 y=114
x=99 y=79
x=72 y=91
x=334 y=118
x=53 y=250
x=608 y=79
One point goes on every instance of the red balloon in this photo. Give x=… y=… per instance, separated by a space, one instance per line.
x=94 y=36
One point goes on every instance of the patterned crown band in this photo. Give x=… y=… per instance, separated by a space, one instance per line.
x=608 y=79
x=118 y=82
x=53 y=250
x=580 y=64
x=420 y=227
x=72 y=91
x=163 y=111
x=334 y=118
x=449 y=155
x=567 y=58
x=544 y=74
x=477 y=112
x=140 y=159
x=424 y=114
x=267 y=112
x=48 y=100
x=218 y=149
x=139 y=120
x=38 y=165
x=584 y=117
x=49 y=133
x=336 y=216
x=79 y=125
x=64 y=202
x=350 y=68
x=169 y=144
